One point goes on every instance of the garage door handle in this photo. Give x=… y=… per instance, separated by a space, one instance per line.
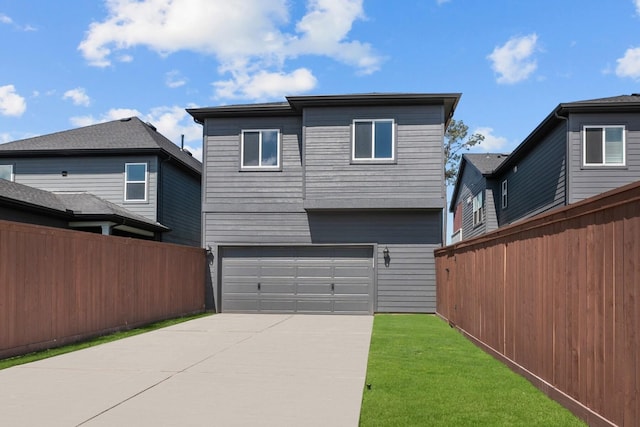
x=258 y=286
x=333 y=287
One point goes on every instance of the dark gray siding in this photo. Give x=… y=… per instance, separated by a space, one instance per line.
x=101 y=176
x=180 y=205
x=227 y=189
x=585 y=182
x=20 y=215
x=536 y=183
x=407 y=285
x=471 y=183
x=415 y=180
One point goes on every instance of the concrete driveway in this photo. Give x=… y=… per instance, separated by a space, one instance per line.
x=224 y=370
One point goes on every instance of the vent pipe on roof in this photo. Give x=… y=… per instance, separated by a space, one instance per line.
x=182 y=142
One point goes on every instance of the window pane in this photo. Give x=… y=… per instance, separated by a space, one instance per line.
x=136 y=172
x=5 y=172
x=383 y=143
x=363 y=140
x=270 y=148
x=613 y=145
x=251 y=148
x=135 y=191
x=593 y=145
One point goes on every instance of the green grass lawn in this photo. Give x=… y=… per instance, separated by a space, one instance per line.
x=39 y=355
x=423 y=373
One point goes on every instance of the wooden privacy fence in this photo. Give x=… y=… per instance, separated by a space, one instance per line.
x=557 y=297
x=59 y=286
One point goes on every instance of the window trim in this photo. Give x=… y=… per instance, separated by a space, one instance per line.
x=12 y=174
x=604 y=164
x=505 y=198
x=478 y=214
x=260 y=167
x=145 y=182
x=373 y=159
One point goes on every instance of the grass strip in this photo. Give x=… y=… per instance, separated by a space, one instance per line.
x=423 y=373
x=39 y=355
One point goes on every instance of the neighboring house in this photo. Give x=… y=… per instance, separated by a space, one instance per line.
x=472 y=201
x=325 y=204
x=123 y=163
x=580 y=149
x=82 y=211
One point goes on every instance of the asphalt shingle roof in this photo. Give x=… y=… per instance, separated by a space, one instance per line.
x=76 y=205
x=124 y=135
x=486 y=163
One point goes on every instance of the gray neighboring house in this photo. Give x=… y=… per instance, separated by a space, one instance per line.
x=83 y=211
x=579 y=150
x=325 y=204
x=474 y=190
x=124 y=174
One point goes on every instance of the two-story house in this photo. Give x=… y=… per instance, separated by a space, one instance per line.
x=325 y=204
x=120 y=177
x=579 y=150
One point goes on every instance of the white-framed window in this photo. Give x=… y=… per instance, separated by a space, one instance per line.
x=478 y=209
x=504 y=194
x=260 y=149
x=373 y=139
x=6 y=172
x=135 y=182
x=603 y=146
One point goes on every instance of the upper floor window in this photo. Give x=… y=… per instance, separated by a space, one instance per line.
x=260 y=149
x=373 y=140
x=135 y=187
x=478 y=209
x=6 y=172
x=504 y=194
x=604 y=146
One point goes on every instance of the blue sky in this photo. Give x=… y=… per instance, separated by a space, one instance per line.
x=74 y=63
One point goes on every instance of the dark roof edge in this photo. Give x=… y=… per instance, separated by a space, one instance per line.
x=294 y=104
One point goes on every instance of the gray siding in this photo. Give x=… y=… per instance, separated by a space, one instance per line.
x=180 y=205
x=407 y=285
x=471 y=183
x=585 y=182
x=227 y=189
x=414 y=180
x=537 y=182
x=101 y=176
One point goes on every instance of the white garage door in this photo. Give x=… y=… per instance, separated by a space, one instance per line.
x=318 y=279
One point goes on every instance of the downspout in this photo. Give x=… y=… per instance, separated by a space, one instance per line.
x=567 y=156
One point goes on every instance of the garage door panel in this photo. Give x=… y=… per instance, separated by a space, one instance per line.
x=277 y=288
x=310 y=279
x=277 y=305
x=314 y=288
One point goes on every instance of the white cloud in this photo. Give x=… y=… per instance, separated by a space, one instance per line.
x=637 y=4
x=265 y=85
x=629 y=64
x=491 y=142
x=11 y=103
x=174 y=79
x=513 y=61
x=78 y=96
x=5 y=137
x=250 y=39
x=4 y=19
x=113 y=114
